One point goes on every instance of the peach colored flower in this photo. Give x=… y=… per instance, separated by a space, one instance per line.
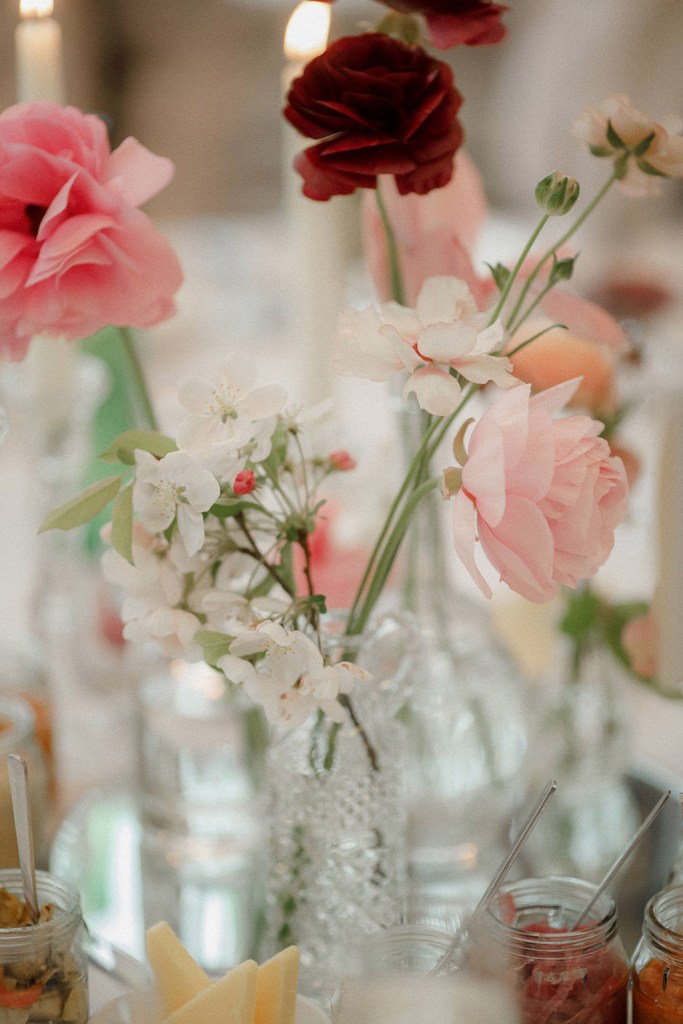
x=616 y=127
x=76 y=253
x=543 y=495
x=435 y=232
x=640 y=640
x=560 y=355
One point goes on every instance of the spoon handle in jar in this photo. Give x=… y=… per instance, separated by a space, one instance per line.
x=21 y=806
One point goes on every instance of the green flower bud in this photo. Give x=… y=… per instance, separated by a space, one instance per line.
x=557 y=193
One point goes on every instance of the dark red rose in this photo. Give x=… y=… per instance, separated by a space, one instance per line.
x=380 y=107
x=453 y=22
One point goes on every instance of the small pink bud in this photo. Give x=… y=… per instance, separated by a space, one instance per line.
x=244 y=482
x=342 y=461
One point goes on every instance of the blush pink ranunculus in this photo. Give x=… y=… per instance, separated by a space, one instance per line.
x=76 y=253
x=641 y=640
x=542 y=494
x=435 y=233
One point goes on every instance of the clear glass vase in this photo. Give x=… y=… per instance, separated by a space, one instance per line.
x=466 y=720
x=337 y=849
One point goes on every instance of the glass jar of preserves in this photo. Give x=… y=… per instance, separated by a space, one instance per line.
x=43 y=966
x=657 y=965
x=561 y=973
x=18 y=736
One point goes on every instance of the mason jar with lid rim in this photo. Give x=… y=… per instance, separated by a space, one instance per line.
x=657 y=964
x=559 y=973
x=18 y=736
x=43 y=967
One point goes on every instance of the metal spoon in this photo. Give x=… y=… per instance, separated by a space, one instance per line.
x=499 y=877
x=21 y=806
x=620 y=860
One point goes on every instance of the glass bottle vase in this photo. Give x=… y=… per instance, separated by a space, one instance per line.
x=335 y=819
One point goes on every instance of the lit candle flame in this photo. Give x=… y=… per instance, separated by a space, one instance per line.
x=35 y=8
x=307 y=30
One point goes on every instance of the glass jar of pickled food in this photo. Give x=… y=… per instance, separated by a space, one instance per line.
x=657 y=965
x=43 y=966
x=561 y=974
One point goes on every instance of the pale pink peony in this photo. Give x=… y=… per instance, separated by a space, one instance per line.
x=640 y=639
x=435 y=232
x=542 y=495
x=76 y=254
x=663 y=155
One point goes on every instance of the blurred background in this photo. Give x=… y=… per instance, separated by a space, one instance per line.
x=201 y=83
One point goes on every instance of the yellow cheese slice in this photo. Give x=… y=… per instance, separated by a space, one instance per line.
x=278 y=979
x=230 y=1000
x=178 y=977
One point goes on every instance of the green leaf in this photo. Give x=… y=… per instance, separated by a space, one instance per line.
x=647 y=168
x=226 y=507
x=643 y=145
x=81 y=508
x=122 y=524
x=562 y=269
x=213 y=644
x=500 y=274
x=614 y=140
x=278 y=450
x=123 y=447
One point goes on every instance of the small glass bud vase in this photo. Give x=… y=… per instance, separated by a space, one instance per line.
x=657 y=967
x=560 y=973
x=43 y=967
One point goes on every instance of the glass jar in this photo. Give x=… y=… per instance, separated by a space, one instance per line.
x=393 y=977
x=18 y=736
x=43 y=967
x=560 y=973
x=657 y=967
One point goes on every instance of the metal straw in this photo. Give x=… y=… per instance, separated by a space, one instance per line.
x=21 y=806
x=500 y=875
x=620 y=859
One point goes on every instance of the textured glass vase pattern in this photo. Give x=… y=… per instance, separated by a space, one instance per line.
x=336 y=816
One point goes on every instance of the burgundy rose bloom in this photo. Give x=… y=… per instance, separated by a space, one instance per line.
x=454 y=22
x=380 y=107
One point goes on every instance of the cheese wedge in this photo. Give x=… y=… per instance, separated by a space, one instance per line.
x=276 y=988
x=230 y=1000
x=178 y=977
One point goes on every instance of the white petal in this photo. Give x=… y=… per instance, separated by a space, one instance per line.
x=191 y=527
x=442 y=298
x=435 y=390
x=263 y=402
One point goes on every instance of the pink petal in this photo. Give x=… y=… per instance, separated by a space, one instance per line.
x=521 y=549
x=137 y=174
x=464 y=539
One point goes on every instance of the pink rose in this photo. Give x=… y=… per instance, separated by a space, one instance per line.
x=76 y=254
x=543 y=495
x=435 y=232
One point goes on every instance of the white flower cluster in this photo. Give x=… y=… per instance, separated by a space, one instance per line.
x=200 y=565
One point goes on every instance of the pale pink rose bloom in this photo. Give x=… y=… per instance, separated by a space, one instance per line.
x=76 y=253
x=435 y=233
x=543 y=495
x=640 y=640
x=664 y=153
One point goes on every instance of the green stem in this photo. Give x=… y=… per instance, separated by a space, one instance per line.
x=141 y=399
x=395 y=275
x=517 y=267
x=386 y=560
x=558 y=245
